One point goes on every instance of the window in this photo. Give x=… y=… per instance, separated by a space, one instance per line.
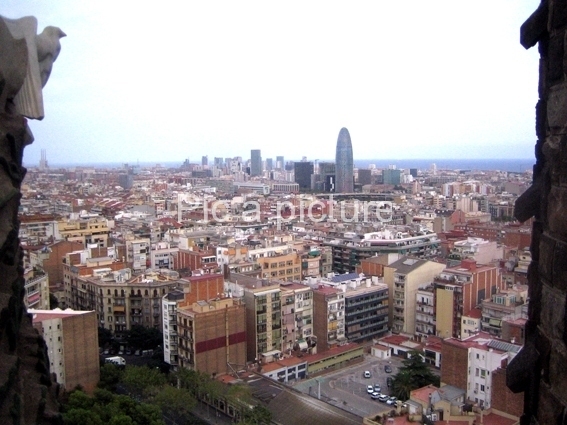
x=476 y=372
x=483 y=373
x=482 y=388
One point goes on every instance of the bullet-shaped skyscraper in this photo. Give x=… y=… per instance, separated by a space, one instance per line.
x=344 y=164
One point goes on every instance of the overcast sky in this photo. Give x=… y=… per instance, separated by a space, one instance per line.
x=168 y=80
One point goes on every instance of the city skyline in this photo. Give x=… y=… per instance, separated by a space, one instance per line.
x=283 y=79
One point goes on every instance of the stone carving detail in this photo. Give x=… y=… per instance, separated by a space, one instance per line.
x=539 y=369
x=42 y=50
x=27 y=394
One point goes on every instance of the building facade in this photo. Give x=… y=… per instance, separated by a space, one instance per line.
x=212 y=336
x=255 y=163
x=344 y=171
x=329 y=313
x=72 y=344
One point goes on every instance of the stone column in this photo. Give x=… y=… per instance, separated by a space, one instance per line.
x=539 y=369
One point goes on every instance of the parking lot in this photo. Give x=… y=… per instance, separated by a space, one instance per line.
x=347 y=388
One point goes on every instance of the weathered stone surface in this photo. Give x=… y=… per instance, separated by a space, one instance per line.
x=546 y=249
x=560 y=266
x=552 y=312
x=559 y=15
x=534 y=28
x=550 y=409
x=556 y=106
x=557 y=207
x=555 y=64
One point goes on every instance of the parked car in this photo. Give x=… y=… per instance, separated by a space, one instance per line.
x=367 y=374
x=137 y=352
x=389 y=381
x=369 y=389
x=377 y=388
x=383 y=398
x=391 y=400
x=375 y=396
x=388 y=368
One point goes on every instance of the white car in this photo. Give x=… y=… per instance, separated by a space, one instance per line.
x=369 y=389
x=383 y=397
x=367 y=374
x=391 y=400
x=375 y=396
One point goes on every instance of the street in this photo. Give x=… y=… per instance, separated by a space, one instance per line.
x=346 y=388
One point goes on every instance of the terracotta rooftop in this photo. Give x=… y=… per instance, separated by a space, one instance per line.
x=475 y=313
x=422 y=394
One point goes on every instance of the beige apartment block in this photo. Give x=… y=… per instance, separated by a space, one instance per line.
x=88 y=231
x=404 y=278
x=285 y=267
x=72 y=343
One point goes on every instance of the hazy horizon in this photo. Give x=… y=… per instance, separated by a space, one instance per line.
x=170 y=80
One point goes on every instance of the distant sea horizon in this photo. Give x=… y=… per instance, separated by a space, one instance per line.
x=517 y=165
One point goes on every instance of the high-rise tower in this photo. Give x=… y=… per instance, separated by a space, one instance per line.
x=255 y=163
x=344 y=163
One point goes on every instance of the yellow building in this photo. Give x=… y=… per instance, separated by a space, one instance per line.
x=88 y=231
x=285 y=267
x=404 y=277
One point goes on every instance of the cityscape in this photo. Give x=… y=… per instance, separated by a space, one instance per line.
x=262 y=214
x=289 y=274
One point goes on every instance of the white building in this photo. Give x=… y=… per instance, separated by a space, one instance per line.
x=170 y=336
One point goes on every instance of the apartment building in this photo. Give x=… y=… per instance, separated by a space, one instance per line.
x=119 y=298
x=88 y=231
x=350 y=249
x=505 y=305
x=460 y=289
x=36 y=229
x=480 y=250
x=138 y=253
x=297 y=317
x=263 y=320
x=72 y=344
x=170 y=303
x=283 y=264
x=212 y=336
x=404 y=277
x=162 y=255
x=50 y=258
x=425 y=311
x=366 y=304
x=329 y=317
x=36 y=288
x=470 y=364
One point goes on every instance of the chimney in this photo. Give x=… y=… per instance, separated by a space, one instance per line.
x=468 y=264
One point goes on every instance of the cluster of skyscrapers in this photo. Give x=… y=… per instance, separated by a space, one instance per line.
x=324 y=176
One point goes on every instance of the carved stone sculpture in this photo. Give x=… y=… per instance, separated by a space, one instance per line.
x=27 y=394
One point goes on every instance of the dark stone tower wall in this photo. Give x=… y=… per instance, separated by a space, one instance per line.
x=540 y=368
